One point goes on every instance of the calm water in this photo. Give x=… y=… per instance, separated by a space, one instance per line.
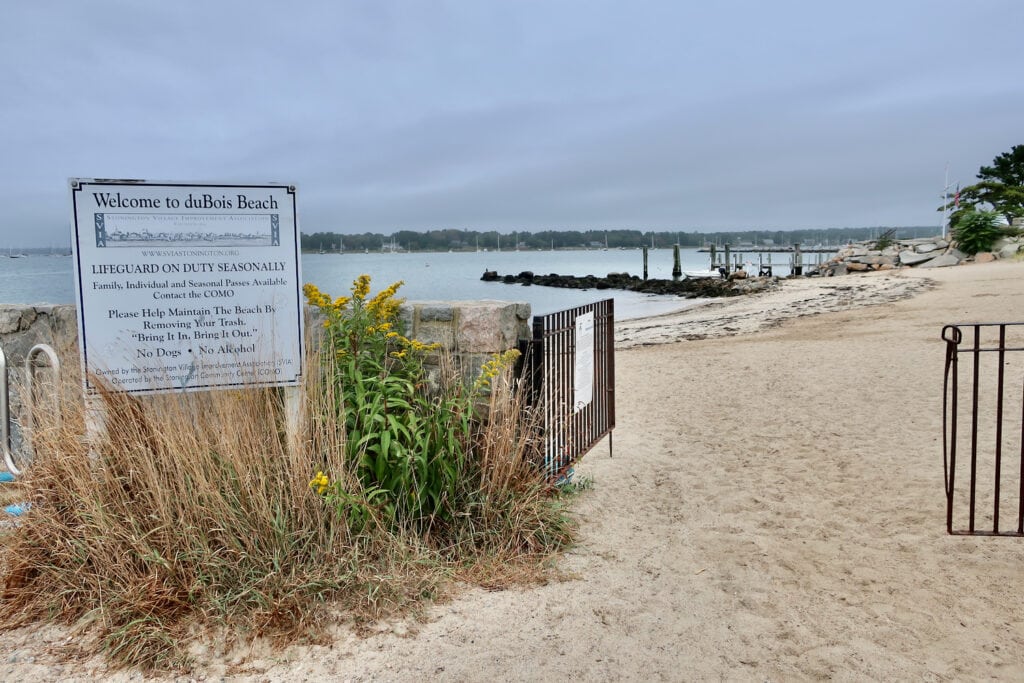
x=428 y=276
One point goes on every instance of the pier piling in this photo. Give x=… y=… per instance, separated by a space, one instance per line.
x=677 y=269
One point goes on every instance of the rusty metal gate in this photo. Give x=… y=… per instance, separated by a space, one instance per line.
x=983 y=417
x=571 y=368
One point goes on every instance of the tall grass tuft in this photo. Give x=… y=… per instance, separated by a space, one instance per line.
x=190 y=511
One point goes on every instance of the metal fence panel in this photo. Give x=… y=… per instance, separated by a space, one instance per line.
x=983 y=415
x=575 y=392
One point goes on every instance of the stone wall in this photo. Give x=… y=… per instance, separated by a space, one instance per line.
x=468 y=331
x=22 y=327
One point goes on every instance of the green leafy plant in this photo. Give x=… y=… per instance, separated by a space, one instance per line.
x=976 y=231
x=401 y=438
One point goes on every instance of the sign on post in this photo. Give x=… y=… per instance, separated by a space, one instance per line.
x=184 y=287
x=583 y=373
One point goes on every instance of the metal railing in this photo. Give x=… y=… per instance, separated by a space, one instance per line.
x=571 y=369
x=5 y=409
x=39 y=352
x=996 y=419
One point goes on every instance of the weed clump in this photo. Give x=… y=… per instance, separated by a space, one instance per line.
x=190 y=512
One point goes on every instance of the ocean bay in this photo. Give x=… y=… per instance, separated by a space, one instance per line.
x=444 y=276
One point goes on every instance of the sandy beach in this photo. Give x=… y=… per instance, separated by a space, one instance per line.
x=774 y=510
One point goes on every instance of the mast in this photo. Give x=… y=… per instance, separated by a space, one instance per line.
x=945 y=205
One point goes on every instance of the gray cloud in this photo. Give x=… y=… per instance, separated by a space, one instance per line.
x=528 y=115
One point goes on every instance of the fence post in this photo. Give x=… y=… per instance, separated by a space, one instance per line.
x=292 y=400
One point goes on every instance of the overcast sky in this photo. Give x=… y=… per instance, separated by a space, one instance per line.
x=517 y=115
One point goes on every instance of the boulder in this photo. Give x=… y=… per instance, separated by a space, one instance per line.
x=984 y=257
x=927 y=248
x=941 y=261
x=911 y=258
x=855 y=267
x=15 y=318
x=1009 y=251
x=873 y=259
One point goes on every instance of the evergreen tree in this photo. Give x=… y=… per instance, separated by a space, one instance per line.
x=999 y=187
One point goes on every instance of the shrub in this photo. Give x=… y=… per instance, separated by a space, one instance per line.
x=976 y=231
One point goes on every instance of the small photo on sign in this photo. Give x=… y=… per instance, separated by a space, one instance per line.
x=155 y=230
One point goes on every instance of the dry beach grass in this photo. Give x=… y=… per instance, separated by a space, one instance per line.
x=774 y=510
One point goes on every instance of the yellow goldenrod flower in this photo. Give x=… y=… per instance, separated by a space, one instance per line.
x=498 y=363
x=320 y=483
x=361 y=287
x=383 y=304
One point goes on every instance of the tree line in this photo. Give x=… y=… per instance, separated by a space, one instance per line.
x=471 y=240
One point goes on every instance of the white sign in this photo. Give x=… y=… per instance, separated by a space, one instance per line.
x=187 y=286
x=583 y=376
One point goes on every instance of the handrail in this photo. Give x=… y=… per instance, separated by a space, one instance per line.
x=5 y=410
x=31 y=365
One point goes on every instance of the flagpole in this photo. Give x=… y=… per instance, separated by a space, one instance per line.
x=945 y=206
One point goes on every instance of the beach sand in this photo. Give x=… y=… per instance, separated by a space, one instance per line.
x=774 y=510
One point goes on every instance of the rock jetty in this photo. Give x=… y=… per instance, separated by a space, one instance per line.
x=690 y=288
x=934 y=252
